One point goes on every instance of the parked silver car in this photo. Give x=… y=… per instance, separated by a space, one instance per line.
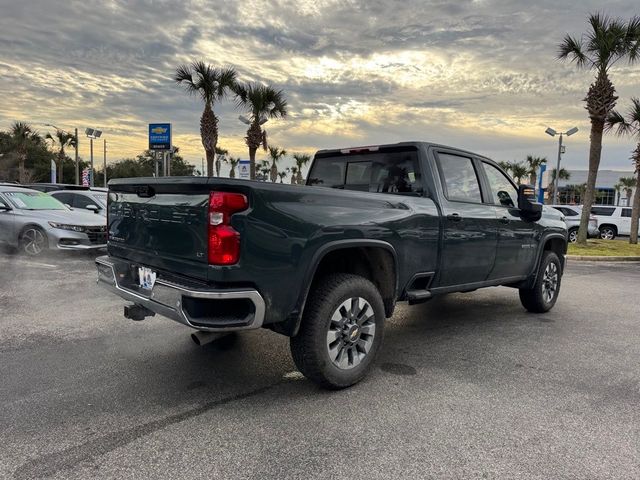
x=93 y=200
x=34 y=221
x=572 y=214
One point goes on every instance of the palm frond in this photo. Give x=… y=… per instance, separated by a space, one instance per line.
x=572 y=48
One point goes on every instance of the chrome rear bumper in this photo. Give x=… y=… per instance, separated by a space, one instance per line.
x=185 y=305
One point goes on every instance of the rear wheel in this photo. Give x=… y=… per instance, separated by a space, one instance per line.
x=544 y=293
x=33 y=241
x=341 y=331
x=607 y=232
x=573 y=235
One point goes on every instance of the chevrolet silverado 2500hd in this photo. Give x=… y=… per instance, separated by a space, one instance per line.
x=326 y=263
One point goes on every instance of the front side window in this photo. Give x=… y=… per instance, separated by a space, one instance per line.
x=459 y=179
x=34 y=201
x=502 y=190
x=387 y=171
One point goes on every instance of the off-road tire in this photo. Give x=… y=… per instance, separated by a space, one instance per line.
x=309 y=347
x=533 y=299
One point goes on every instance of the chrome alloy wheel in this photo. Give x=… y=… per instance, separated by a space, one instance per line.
x=550 y=282
x=351 y=333
x=573 y=236
x=33 y=241
x=607 y=233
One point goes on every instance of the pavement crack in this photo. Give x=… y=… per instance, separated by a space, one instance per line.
x=50 y=464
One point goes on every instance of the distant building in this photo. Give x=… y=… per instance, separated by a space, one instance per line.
x=570 y=191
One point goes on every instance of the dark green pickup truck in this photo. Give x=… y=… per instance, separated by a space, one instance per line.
x=326 y=263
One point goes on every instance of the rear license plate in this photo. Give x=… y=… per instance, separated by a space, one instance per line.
x=146 y=278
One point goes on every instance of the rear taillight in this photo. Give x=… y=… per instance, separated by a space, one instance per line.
x=224 y=241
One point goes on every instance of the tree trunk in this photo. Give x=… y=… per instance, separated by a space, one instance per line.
x=274 y=173
x=595 y=150
x=293 y=179
x=299 y=179
x=628 y=193
x=635 y=212
x=232 y=172
x=209 y=135
x=60 y=166
x=252 y=163
x=22 y=178
x=218 y=165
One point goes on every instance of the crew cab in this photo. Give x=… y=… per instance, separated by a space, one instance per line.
x=326 y=263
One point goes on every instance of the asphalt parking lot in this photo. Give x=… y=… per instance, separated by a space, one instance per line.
x=467 y=386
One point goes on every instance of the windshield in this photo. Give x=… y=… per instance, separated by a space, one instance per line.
x=101 y=198
x=34 y=201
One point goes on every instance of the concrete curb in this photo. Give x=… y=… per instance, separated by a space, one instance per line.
x=600 y=258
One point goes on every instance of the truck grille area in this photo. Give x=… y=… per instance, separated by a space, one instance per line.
x=219 y=313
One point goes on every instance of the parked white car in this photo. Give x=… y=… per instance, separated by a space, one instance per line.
x=572 y=214
x=612 y=221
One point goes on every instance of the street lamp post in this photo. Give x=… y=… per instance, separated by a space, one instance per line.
x=77 y=146
x=91 y=134
x=553 y=133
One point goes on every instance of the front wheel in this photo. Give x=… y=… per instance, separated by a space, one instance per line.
x=33 y=241
x=544 y=293
x=341 y=331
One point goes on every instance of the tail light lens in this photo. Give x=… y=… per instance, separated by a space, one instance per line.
x=224 y=241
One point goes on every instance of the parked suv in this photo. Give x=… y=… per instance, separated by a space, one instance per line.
x=572 y=214
x=612 y=221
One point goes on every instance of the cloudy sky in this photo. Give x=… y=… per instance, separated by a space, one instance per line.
x=478 y=74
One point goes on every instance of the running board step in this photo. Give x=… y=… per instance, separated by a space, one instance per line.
x=418 y=296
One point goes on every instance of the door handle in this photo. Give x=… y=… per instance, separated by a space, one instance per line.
x=454 y=217
x=504 y=220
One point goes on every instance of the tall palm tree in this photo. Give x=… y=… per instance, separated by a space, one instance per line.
x=211 y=84
x=294 y=174
x=260 y=102
x=23 y=136
x=607 y=41
x=534 y=164
x=301 y=161
x=618 y=188
x=563 y=175
x=629 y=125
x=628 y=184
x=234 y=163
x=275 y=154
x=518 y=171
x=62 y=139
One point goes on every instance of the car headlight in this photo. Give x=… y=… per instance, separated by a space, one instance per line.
x=64 y=226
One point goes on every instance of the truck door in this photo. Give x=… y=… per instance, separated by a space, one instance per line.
x=469 y=226
x=516 y=237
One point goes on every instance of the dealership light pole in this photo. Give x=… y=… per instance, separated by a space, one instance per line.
x=91 y=134
x=77 y=146
x=553 y=133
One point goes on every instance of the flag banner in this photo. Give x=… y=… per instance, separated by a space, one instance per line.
x=86 y=177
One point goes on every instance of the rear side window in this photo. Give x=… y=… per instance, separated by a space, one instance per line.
x=626 y=212
x=392 y=171
x=82 y=201
x=459 y=178
x=64 y=197
x=605 y=211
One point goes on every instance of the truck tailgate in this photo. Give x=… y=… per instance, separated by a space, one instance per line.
x=160 y=225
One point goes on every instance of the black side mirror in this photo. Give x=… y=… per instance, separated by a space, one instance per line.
x=529 y=207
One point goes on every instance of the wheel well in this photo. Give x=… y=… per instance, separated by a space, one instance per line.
x=30 y=225
x=615 y=229
x=558 y=246
x=376 y=264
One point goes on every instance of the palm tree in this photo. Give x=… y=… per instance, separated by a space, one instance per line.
x=506 y=166
x=294 y=173
x=534 y=164
x=628 y=184
x=618 y=188
x=212 y=85
x=22 y=137
x=62 y=139
x=275 y=154
x=221 y=154
x=261 y=102
x=564 y=175
x=518 y=171
x=234 y=163
x=607 y=41
x=283 y=174
x=629 y=125
x=301 y=161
